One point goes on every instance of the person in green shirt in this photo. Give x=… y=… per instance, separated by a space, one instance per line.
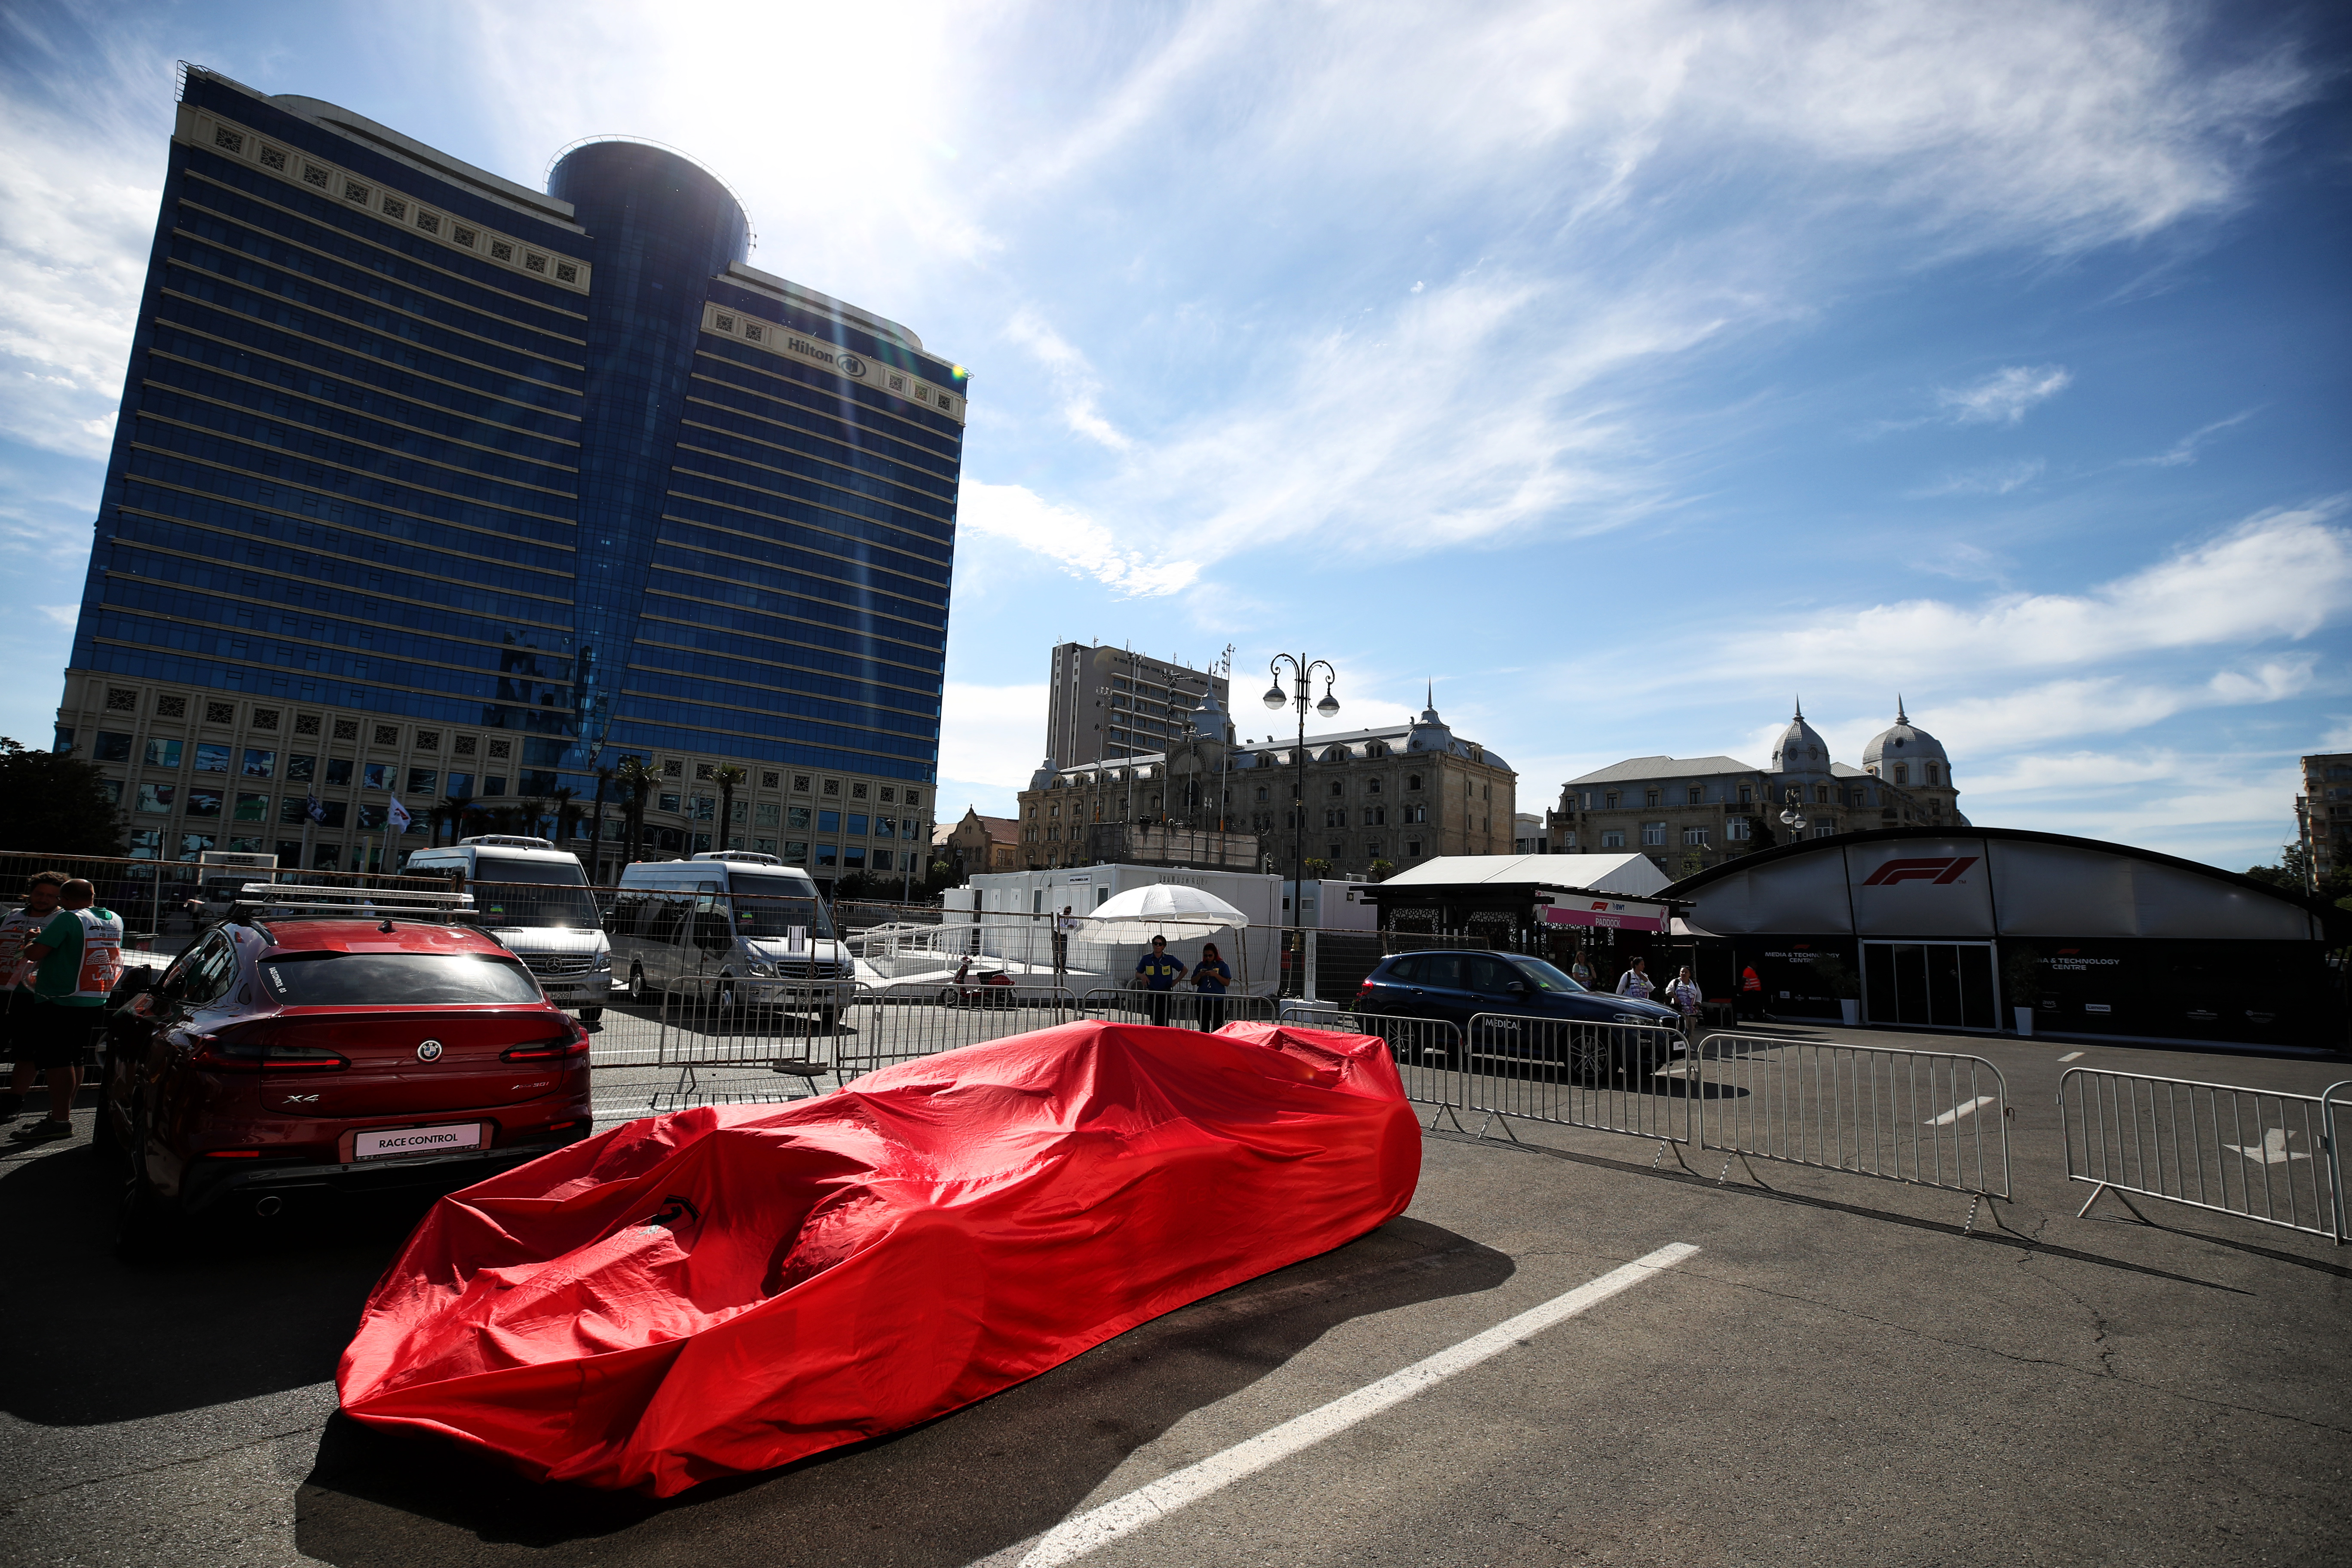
x=67 y=993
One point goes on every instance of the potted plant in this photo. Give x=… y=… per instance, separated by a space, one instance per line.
x=1830 y=972
x=2021 y=982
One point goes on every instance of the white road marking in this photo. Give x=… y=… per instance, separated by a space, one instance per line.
x=2071 y=1056
x=1969 y=1109
x=2271 y=1151
x=1076 y=1538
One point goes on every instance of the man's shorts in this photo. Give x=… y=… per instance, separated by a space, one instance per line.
x=50 y=1037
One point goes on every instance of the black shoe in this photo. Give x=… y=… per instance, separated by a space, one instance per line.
x=45 y=1130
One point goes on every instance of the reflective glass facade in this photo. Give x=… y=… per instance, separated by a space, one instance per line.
x=494 y=487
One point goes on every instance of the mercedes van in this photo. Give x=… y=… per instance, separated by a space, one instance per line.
x=533 y=898
x=745 y=924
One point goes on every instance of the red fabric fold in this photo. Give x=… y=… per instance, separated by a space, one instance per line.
x=731 y=1289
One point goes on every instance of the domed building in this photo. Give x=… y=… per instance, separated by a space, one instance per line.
x=1910 y=759
x=1691 y=813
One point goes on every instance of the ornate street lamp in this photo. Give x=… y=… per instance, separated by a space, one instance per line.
x=1792 y=815
x=1302 y=677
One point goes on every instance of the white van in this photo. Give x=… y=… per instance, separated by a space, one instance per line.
x=533 y=898
x=746 y=921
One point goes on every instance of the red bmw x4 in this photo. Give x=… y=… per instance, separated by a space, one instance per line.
x=282 y=1059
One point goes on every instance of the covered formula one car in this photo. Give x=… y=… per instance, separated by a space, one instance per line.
x=728 y=1288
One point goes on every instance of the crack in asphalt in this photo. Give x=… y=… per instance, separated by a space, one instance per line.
x=2108 y=1373
x=12 y=1504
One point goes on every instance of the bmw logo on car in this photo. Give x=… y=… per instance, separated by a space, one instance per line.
x=852 y=364
x=428 y=1051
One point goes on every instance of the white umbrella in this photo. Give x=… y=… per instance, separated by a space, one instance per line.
x=1164 y=909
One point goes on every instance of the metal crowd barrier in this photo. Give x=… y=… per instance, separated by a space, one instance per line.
x=1929 y=1119
x=1426 y=1051
x=1200 y=1010
x=2257 y=1154
x=728 y=1046
x=1572 y=1073
x=903 y=1023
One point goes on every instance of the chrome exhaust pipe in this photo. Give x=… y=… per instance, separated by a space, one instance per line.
x=266 y=1208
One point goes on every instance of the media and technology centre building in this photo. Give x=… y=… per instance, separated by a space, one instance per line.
x=429 y=485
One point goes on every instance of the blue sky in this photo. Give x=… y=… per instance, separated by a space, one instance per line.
x=1622 y=368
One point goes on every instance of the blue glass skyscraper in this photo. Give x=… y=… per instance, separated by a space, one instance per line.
x=426 y=485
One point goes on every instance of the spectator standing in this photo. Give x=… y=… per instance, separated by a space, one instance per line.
x=1209 y=978
x=16 y=927
x=1063 y=925
x=1581 y=971
x=1683 y=996
x=1160 y=974
x=79 y=959
x=1635 y=981
x=1751 y=994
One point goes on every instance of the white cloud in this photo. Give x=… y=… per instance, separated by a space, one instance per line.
x=2184 y=451
x=80 y=183
x=2282 y=574
x=66 y=616
x=2003 y=398
x=1077 y=541
x=990 y=740
x=1988 y=479
x=1074 y=378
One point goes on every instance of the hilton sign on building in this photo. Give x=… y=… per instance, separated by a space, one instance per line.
x=1929 y=928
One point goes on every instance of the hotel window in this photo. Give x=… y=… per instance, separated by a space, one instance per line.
x=1695 y=835
x=1696 y=795
x=1649 y=797
x=1736 y=830
x=1609 y=800
x=1615 y=838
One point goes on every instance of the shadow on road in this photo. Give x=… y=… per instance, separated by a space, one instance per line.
x=245 y=1309
x=938 y=1496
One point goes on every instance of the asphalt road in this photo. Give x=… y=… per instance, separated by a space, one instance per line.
x=1837 y=1376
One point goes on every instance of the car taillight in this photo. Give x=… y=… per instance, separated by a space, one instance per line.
x=561 y=1048
x=1364 y=992
x=239 y=1051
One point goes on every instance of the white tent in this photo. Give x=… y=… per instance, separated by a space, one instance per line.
x=1627 y=876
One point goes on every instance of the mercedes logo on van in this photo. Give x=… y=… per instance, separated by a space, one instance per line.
x=429 y=1051
x=851 y=365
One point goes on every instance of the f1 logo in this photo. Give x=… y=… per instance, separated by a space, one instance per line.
x=1937 y=869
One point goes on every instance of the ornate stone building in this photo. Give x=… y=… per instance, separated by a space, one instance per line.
x=1398 y=795
x=1689 y=813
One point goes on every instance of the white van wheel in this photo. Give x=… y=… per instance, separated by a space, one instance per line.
x=639 y=991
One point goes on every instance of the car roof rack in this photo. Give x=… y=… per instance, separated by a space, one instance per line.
x=262 y=901
x=508 y=841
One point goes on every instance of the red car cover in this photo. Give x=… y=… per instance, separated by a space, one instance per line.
x=728 y=1288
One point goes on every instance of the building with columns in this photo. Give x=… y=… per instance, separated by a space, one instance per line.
x=1688 y=814
x=1371 y=799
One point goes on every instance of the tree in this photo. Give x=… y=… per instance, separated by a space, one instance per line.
x=730 y=777
x=1382 y=870
x=54 y=806
x=567 y=814
x=2293 y=872
x=636 y=780
x=603 y=784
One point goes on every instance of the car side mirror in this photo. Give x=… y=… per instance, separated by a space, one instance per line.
x=1516 y=988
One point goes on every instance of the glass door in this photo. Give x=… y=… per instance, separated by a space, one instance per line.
x=1931 y=985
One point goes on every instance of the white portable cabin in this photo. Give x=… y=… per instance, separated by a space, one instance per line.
x=1013 y=910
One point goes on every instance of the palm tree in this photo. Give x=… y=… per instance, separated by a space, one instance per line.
x=604 y=783
x=567 y=814
x=531 y=808
x=730 y=777
x=434 y=816
x=637 y=780
x=454 y=812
